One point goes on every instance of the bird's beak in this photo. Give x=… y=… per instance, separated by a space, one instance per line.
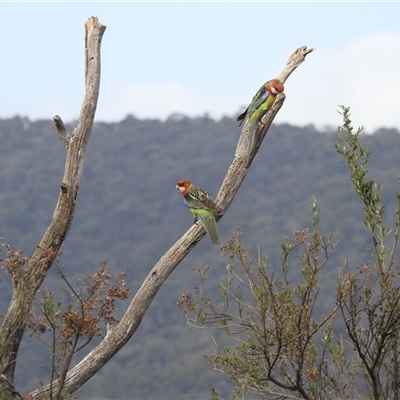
x=177 y=187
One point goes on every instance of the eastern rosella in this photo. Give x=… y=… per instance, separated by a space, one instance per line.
x=201 y=205
x=260 y=104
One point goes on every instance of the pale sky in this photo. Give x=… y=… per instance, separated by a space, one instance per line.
x=193 y=58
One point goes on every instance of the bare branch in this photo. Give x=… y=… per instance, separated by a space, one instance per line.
x=62 y=132
x=297 y=58
x=46 y=252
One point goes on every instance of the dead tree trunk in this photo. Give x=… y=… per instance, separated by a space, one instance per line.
x=27 y=279
x=128 y=325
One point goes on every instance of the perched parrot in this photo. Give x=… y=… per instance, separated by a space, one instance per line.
x=201 y=205
x=260 y=104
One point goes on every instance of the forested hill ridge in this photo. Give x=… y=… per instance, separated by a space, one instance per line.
x=129 y=213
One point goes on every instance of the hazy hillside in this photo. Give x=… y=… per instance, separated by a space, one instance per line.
x=129 y=213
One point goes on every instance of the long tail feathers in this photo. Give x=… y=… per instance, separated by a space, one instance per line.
x=210 y=226
x=242 y=117
x=252 y=131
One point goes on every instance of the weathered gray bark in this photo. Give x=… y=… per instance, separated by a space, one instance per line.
x=27 y=282
x=118 y=337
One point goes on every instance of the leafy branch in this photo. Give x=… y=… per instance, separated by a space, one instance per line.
x=369 y=298
x=271 y=320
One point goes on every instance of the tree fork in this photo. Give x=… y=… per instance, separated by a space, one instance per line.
x=135 y=312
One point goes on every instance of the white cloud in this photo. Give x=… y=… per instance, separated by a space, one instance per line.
x=159 y=100
x=364 y=75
